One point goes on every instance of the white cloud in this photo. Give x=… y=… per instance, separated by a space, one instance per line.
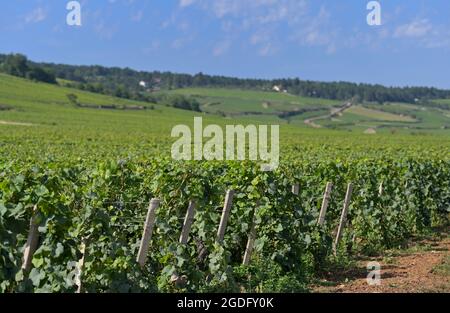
x=254 y=11
x=425 y=34
x=36 y=16
x=181 y=42
x=267 y=41
x=317 y=31
x=221 y=48
x=417 y=28
x=268 y=49
x=137 y=16
x=269 y=23
x=105 y=31
x=186 y=3
x=260 y=37
x=154 y=46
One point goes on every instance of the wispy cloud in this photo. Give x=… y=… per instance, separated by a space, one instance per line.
x=252 y=11
x=181 y=42
x=154 y=46
x=266 y=41
x=268 y=49
x=186 y=3
x=272 y=25
x=416 y=28
x=318 y=31
x=221 y=47
x=424 y=33
x=137 y=16
x=105 y=31
x=269 y=23
x=36 y=16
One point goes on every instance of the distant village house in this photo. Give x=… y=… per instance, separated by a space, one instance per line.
x=279 y=88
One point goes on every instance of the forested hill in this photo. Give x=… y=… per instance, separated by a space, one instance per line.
x=128 y=83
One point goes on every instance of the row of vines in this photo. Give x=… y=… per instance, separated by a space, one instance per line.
x=103 y=208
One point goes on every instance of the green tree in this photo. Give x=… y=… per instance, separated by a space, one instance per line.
x=16 y=65
x=42 y=75
x=73 y=99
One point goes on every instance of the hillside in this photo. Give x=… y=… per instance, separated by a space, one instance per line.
x=285 y=108
x=345 y=106
x=23 y=101
x=42 y=113
x=48 y=105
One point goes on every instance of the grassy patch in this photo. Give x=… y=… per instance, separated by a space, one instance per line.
x=443 y=268
x=379 y=115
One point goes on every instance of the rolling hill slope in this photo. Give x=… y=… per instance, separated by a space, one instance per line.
x=285 y=108
x=38 y=120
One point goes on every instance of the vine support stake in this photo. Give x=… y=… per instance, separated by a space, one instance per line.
x=343 y=220
x=188 y=220
x=32 y=242
x=147 y=233
x=80 y=265
x=325 y=201
x=250 y=242
x=296 y=189
x=225 y=214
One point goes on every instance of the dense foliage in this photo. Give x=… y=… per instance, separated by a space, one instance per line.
x=103 y=204
x=18 y=65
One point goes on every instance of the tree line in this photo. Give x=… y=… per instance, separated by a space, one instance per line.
x=126 y=83
x=18 y=65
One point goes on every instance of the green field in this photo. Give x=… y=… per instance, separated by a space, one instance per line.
x=390 y=117
x=85 y=176
x=237 y=102
x=379 y=115
x=48 y=116
x=284 y=108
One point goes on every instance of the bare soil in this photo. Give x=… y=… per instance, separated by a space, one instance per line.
x=423 y=267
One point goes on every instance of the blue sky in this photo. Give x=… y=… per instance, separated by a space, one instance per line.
x=312 y=39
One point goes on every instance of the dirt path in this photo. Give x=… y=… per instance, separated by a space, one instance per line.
x=15 y=123
x=310 y=122
x=334 y=112
x=424 y=267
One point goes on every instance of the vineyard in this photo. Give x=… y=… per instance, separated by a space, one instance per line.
x=97 y=215
x=77 y=185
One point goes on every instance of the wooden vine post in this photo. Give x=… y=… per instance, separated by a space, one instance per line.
x=225 y=214
x=250 y=242
x=188 y=220
x=296 y=189
x=32 y=242
x=343 y=220
x=147 y=233
x=325 y=201
x=80 y=265
x=380 y=189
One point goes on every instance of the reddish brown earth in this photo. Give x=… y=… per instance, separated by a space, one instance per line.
x=423 y=267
